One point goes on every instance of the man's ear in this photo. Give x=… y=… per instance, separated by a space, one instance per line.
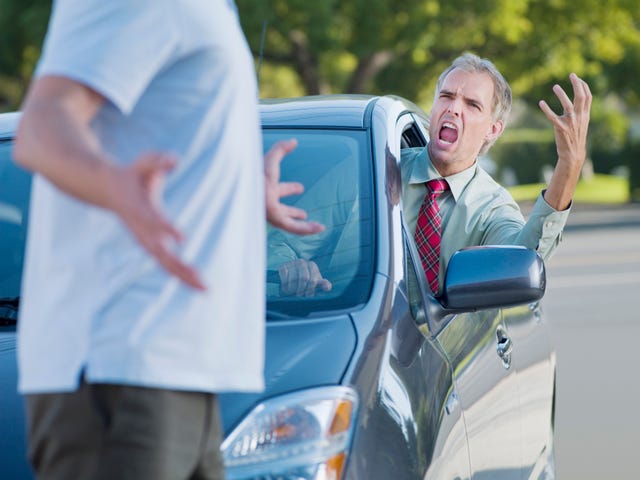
x=495 y=131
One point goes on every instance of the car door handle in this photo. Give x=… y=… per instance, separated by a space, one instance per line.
x=504 y=347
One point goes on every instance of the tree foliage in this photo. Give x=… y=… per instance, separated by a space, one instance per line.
x=382 y=46
x=22 y=27
x=393 y=46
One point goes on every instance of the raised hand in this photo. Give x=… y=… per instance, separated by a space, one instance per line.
x=280 y=215
x=137 y=196
x=570 y=130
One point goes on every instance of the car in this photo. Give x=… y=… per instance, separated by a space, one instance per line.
x=372 y=376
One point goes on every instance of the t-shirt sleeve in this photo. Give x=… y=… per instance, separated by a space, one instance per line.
x=114 y=47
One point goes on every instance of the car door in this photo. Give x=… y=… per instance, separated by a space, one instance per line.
x=477 y=346
x=444 y=428
x=533 y=360
x=488 y=392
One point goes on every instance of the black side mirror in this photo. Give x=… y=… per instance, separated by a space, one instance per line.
x=493 y=276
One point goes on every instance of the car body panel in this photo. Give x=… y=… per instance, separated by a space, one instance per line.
x=298 y=355
x=13 y=439
x=534 y=363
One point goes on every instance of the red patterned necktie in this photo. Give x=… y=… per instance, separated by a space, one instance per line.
x=427 y=234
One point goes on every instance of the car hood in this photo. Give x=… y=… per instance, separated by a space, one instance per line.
x=12 y=421
x=299 y=354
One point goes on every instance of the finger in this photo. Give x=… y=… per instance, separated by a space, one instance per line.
x=583 y=95
x=325 y=285
x=155 y=162
x=546 y=109
x=285 y=279
x=314 y=278
x=293 y=212
x=152 y=224
x=289 y=188
x=176 y=267
x=302 y=228
x=281 y=148
x=302 y=271
x=565 y=101
x=276 y=153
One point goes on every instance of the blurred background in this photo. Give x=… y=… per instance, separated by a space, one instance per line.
x=399 y=47
x=304 y=47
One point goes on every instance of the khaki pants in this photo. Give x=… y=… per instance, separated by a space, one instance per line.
x=102 y=432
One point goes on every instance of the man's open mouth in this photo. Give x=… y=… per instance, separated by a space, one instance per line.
x=448 y=132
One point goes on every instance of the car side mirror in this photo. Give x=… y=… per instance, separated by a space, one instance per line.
x=493 y=276
x=480 y=278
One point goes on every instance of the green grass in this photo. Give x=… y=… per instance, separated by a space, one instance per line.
x=602 y=189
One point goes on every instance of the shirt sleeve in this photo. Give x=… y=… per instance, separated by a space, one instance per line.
x=115 y=47
x=542 y=232
x=544 y=227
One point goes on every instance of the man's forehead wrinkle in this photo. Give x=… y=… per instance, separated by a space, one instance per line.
x=459 y=93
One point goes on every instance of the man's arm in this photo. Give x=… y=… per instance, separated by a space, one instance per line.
x=55 y=139
x=570 y=130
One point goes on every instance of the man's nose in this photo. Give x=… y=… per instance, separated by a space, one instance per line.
x=454 y=106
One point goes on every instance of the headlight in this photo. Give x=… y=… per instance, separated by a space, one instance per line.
x=299 y=436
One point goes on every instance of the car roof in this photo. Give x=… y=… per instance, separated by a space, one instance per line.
x=339 y=110
x=317 y=111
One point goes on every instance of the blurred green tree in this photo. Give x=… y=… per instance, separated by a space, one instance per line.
x=22 y=27
x=393 y=46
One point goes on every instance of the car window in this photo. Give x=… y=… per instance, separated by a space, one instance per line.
x=335 y=168
x=15 y=187
x=412 y=136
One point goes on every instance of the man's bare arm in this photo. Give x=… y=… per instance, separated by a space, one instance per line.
x=55 y=139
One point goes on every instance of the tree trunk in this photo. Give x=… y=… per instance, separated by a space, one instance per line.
x=306 y=64
x=367 y=69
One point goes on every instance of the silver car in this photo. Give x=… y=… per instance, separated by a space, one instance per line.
x=371 y=377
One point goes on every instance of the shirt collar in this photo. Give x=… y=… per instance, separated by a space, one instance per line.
x=423 y=171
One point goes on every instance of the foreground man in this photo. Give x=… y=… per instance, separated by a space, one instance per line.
x=142 y=127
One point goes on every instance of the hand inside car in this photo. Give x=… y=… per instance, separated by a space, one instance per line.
x=301 y=278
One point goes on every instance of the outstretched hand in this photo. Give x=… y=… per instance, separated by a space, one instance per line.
x=571 y=127
x=138 y=203
x=570 y=130
x=279 y=215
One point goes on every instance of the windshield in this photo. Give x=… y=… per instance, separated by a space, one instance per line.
x=15 y=185
x=335 y=168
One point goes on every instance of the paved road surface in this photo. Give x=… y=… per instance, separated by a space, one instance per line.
x=593 y=303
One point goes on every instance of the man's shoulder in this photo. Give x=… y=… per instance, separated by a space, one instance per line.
x=484 y=185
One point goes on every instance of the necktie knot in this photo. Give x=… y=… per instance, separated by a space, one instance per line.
x=437 y=186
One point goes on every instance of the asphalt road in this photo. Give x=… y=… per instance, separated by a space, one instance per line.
x=593 y=303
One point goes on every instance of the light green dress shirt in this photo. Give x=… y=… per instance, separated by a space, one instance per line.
x=477 y=210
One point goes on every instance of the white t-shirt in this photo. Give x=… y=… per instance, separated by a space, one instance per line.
x=179 y=77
